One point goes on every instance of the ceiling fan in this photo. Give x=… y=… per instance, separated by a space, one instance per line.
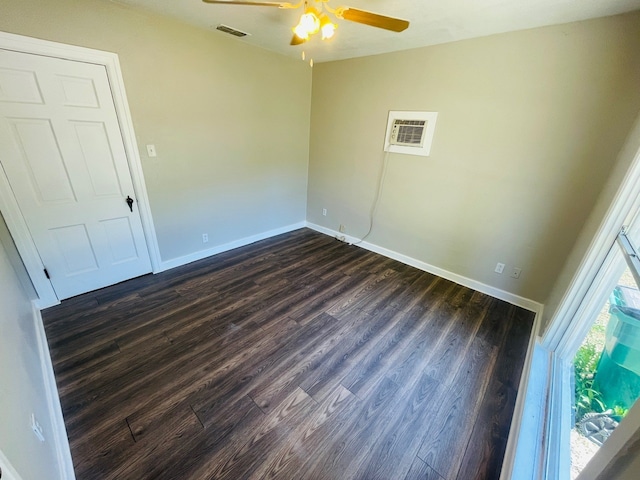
x=314 y=19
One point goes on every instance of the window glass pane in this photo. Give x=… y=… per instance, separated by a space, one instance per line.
x=606 y=372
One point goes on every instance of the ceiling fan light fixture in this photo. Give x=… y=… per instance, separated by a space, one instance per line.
x=327 y=28
x=300 y=32
x=315 y=20
x=309 y=22
x=296 y=40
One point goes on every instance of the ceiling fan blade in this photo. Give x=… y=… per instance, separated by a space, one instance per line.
x=374 y=20
x=296 y=40
x=254 y=4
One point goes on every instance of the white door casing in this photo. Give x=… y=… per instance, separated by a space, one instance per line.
x=8 y=203
x=65 y=160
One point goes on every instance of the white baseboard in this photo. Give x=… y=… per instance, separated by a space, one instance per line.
x=59 y=432
x=192 y=257
x=41 y=304
x=454 y=277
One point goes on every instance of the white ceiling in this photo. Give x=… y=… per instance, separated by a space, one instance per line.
x=432 y=22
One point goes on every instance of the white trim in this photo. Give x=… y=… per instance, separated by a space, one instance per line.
x=626 y=201
x=557 y=440
x=607 y=276
x=525 y=388
x=605 y=280
x=24 y=243
x=59 y=433
x=454 y=277
x=8 y=204
x=8 y=472
x=192 y=257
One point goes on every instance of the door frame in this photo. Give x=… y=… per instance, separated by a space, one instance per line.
x=8 y=203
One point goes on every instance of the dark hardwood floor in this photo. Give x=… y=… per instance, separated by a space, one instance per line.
x=298 y=357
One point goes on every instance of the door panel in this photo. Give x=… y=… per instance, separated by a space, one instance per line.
x=75 y=247
x=39 y=151
x=120 y=239
x=19 y=86
x=64 y=156
x=78 y=92
x=97 y=158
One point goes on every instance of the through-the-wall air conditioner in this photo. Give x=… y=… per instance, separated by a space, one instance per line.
x=410 y=132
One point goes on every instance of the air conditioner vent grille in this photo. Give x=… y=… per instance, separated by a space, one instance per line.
x=231 y=31
x=408 y=132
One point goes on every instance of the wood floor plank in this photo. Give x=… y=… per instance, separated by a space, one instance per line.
x=97 y=456
x=238 y=460
x=458 y=408
x=350 y=446
x=230 y=380
x=421 y=471
x=197 y=452
x=157 y=443
x=347 y=353
x=490 y=433
x=295 y=357
x=383 y=353
x=281 y=380
x=307 y=438
x=397 y=445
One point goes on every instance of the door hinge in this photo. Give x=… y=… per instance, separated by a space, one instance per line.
x=46 y=274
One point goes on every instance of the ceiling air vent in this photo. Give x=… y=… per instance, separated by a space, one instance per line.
x=231 y=31
x=410 y=132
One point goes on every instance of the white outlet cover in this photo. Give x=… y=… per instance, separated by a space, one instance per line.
x=151 y=150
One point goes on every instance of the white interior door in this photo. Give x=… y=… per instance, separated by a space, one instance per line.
x=63 y=154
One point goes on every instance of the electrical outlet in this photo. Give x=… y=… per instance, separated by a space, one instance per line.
x=37 y=428
x=499 y=268
x=205 y=237
x=324 y=212
x=516 y=272
x=151 y=151
x=342 y=228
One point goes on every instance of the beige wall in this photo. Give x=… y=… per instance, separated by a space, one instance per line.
x=22 y=386
x=529 y=127
x=230 y=122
